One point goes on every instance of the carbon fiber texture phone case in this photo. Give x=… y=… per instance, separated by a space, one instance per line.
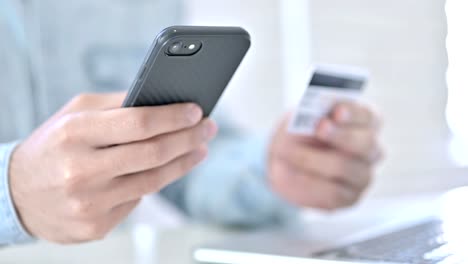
x=200 y=78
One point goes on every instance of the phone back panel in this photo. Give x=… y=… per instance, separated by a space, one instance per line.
x=200 y=78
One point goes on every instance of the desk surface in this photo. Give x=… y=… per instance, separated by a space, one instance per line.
x=174 y=246
x=119 y=248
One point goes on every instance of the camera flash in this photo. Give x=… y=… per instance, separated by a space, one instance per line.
x=192 y=46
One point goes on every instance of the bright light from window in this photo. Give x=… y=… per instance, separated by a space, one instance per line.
x=457 y=78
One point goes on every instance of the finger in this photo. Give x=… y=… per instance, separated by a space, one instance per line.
x=125 y=125
x=327 y=163
x=357 y=141
x=95 y=101
x=134 y=186
x=155 y=152
x=358 y=179
x=313 y=192
x=89 y=102
x=354 y=114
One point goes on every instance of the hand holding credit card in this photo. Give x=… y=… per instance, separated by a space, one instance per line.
x=328 y=85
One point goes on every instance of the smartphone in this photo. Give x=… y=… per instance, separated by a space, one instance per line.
x=328 y=85
x=189 y=64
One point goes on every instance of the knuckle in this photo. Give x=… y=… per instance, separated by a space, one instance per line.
x=74 y=177
x=66 y=133
x=81 y=99
x=79 y=208
x=91 y=231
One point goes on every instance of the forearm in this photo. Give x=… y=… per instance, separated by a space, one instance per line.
x=11 y=230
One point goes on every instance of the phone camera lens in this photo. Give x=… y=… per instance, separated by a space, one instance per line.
x=182 y=47
x=175 y=47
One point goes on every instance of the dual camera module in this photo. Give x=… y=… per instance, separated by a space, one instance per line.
x=184 y=48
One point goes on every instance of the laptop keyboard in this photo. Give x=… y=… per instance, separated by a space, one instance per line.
x=420 y=244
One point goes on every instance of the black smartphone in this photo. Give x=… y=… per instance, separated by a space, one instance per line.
x=189 y=64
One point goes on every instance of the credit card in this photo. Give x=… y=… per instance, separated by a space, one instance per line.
x=329 y=85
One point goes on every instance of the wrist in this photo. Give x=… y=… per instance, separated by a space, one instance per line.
x=11 y=228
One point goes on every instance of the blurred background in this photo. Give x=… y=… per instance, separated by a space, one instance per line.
x=416 y=51
x=403 y=44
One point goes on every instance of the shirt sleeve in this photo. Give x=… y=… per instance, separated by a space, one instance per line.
x=11 y=230
x=231 y=187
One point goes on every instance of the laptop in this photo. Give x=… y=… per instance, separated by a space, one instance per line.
x=440 y=237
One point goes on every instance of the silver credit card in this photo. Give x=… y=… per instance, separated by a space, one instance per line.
x=328 y=85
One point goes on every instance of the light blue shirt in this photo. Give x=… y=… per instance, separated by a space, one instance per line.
x=11 y=230
x=230 y=188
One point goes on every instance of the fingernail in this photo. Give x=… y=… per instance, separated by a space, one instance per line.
x=210 y=130
x=194 y=113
